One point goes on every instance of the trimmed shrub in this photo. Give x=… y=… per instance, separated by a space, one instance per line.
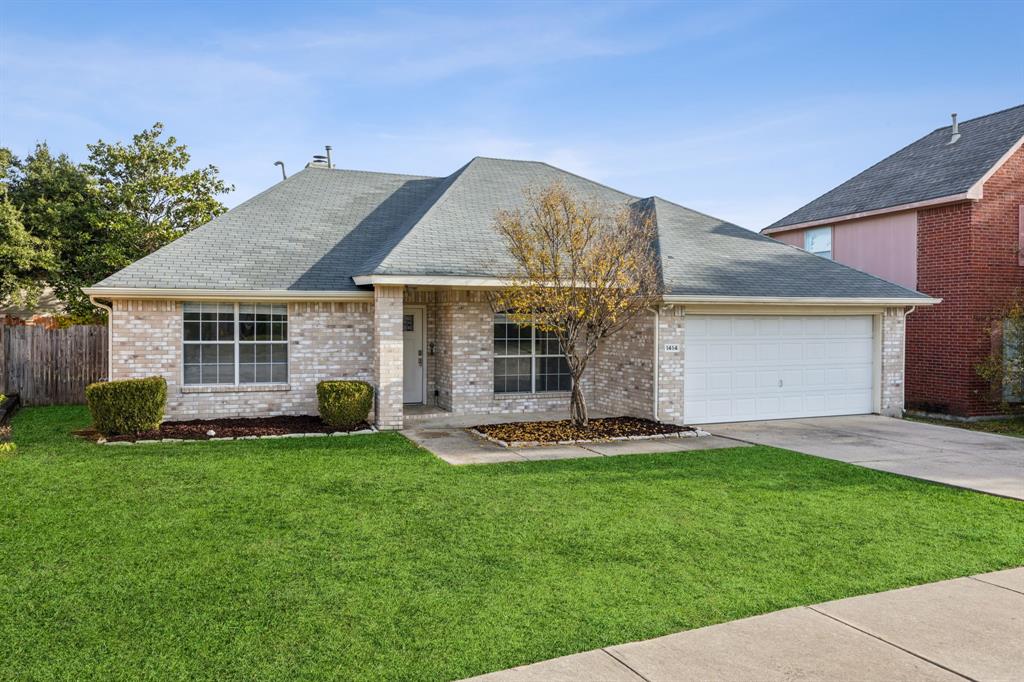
x=344 y=404
x=127 y=406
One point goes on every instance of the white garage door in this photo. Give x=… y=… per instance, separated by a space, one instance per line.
x=746 y=367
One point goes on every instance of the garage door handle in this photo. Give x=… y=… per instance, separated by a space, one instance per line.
x=780 y=383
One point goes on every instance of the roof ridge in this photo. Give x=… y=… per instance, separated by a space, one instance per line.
x=409 y=226
x=371 y=172
x=978 y=118
x=593 y=182
x=782 y=222
x=693 y=210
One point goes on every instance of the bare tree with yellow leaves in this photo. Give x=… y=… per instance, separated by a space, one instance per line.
x=583 y=271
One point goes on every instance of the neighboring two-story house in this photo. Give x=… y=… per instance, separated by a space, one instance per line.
x=943 y=216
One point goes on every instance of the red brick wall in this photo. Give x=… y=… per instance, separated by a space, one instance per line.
x=967 y=254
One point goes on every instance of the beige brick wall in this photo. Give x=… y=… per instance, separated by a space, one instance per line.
x=388 y=308
x=464 y=353
x=335 y=340
x=671 y=329
x=326 y=341
x=893 y=356
x=622 y=373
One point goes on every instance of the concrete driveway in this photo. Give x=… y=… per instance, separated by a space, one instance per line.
x=966 y=459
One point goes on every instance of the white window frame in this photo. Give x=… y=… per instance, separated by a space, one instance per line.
x=809 y=238
x=534 y=356
x=237 y=343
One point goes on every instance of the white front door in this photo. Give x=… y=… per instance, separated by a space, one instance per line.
x=751 y=367
x=412 y=357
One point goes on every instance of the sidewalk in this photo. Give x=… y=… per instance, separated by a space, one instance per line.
x=969 y=628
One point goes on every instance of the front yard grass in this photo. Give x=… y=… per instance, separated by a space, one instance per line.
x=365 y=557
x=1004 y=427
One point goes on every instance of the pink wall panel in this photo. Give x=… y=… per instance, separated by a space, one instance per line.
x=796 y=238
x=885 y=246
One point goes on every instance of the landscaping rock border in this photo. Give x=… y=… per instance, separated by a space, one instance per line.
x=104 y=441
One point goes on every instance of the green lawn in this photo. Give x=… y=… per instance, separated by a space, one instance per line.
x=1004 y=427
x=365 y=557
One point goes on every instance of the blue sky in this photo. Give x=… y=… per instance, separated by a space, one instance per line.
x=742 y=110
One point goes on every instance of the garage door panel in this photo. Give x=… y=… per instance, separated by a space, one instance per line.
x=720 y=326
x=743 y=380
x=720 y=381
x=719 y=353
x=744 y=352
x=769 y=367
x=792 y=378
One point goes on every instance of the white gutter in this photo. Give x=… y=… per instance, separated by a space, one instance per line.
x=110 y=335
x=468 y=282
x=801 y=300
x=232 y=294
x=431 y=280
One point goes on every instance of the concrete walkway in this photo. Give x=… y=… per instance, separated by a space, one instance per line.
x=451 y=442
x=967 y=459
x=968 y=628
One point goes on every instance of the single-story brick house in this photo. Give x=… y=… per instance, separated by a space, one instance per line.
x=334 y=274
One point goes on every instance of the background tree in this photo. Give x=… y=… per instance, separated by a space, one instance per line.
x=583 y=271
x=125 y=202
x=1004 y=367
x=24 y=260
x=60 y=209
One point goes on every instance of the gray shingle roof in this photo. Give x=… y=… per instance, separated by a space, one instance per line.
x=319 y=228
x=930 y=168
x=704 y=256
x=311 y=232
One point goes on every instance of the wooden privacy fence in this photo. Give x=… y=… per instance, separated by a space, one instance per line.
x=51 y=366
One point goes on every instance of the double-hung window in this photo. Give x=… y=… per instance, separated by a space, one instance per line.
x=235 y=343
x=818 y=241
x=527 y=359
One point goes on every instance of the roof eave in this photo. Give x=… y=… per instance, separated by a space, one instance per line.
x=805 y=300
x=494 y=283
x=226 y=294
x=973 y=194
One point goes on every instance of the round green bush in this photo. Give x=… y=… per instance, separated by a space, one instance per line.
x=127 y=406
x=344 y=404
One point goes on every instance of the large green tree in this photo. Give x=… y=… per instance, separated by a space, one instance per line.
x=24 y=259
x=124 y=202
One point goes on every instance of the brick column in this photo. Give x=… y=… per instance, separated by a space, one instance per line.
x=671 y=330
x=387 y=358
x=893 y=354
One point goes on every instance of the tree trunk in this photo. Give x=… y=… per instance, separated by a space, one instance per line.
x=578 y=405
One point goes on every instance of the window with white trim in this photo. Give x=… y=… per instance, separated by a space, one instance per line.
x=234 y=343
x=818 y=240
x=527 y=360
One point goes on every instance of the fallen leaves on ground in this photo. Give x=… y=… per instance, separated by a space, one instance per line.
x=562 y=430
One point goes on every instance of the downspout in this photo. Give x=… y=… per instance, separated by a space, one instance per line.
x=657 y=359
x=110 y=335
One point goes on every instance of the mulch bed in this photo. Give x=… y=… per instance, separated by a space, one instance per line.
x=198 y=429
x=607 y=428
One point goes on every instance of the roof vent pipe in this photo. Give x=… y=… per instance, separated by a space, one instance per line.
x=955 y=130
x=328 y=147
x=284 y=176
